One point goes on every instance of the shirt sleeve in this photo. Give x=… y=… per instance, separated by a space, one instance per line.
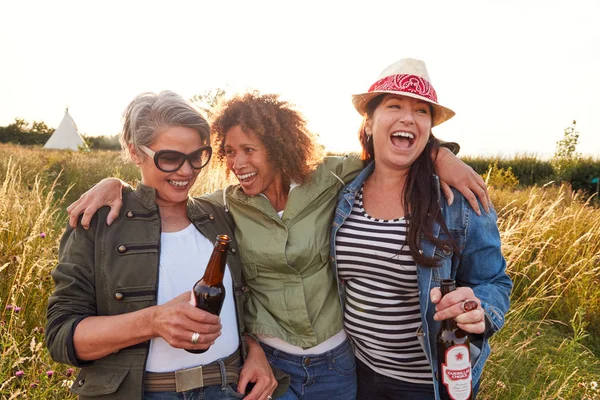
x=74 y=296
x=483 y=268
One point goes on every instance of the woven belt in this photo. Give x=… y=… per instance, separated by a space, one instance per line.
x=193 y=378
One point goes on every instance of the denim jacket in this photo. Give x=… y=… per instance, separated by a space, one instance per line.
x=482 y=268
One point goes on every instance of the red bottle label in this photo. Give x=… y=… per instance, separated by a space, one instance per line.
x=456 y=372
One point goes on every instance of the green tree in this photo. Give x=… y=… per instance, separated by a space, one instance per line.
x=566 y=156
x=20 y=124
x=41 y=127
x=208 y=100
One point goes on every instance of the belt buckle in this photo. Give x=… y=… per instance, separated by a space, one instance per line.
x=188 y=379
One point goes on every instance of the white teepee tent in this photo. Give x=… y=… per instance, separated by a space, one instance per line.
x=66 y=136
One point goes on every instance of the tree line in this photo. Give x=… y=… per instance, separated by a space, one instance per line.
x=37 y=133
x=567 y=165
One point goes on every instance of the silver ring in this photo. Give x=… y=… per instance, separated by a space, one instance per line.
x=269 y=398
x=195 y=337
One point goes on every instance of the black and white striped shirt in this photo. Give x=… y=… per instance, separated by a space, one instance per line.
x=382 y=296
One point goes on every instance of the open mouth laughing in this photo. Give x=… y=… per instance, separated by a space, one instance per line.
x=403 y=140
x=247 y=179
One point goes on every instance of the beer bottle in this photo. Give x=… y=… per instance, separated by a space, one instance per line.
x=453 y=355
x=208 y=293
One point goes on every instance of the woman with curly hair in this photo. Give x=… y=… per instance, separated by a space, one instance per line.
x=283 y=207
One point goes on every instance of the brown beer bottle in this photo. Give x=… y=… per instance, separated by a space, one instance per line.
x=208 y=293
x=454 y=357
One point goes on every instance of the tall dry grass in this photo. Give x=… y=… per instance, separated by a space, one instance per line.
x=548 y=349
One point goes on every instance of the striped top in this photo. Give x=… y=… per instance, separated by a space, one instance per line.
x=382 y=314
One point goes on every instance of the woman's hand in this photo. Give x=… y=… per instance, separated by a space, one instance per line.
x=107 y=192
x=177 y=320
x=453 y=172
x=455 y=305
x=256 y=369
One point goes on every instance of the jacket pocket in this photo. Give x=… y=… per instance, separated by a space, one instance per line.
x=249 y=270
x=134 y=294
x=97 y=381
x=125 y=249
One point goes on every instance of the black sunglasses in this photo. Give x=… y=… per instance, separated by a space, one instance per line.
x=171 y=160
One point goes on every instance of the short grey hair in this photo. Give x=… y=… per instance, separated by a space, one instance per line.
x=150 y=113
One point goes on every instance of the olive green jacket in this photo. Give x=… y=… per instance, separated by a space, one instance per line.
x=293 y=294
x=111 y=270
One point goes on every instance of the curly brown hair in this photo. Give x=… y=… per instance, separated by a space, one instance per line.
x=291 y=147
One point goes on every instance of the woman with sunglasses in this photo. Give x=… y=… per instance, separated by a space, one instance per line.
x=120 y=307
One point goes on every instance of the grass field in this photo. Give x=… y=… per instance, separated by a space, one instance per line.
x=549 y=348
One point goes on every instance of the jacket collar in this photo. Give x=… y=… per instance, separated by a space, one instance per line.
x=355 y=185
x=147 y=196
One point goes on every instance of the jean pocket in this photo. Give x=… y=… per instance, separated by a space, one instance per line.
x=230 y=389
x=344 y=364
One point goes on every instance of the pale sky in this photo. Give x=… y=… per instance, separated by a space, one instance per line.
x=516 y=72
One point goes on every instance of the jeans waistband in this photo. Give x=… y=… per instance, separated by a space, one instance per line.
x=309 y=358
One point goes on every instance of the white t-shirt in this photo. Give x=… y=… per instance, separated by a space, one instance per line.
x=183 y=259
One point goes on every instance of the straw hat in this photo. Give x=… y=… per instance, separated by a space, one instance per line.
x=407 y=77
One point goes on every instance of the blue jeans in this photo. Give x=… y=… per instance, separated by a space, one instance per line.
x=327 y=376
x=215 y=392
x=374 y=386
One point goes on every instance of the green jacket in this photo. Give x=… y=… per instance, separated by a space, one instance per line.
x=110 y=270
x=293 y=294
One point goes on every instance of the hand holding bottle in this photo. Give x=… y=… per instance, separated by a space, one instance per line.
x=176 y=321
x=457 y=305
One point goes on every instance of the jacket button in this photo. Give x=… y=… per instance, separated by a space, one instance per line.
x=233 y=251
x=118 y=296
x=122 y=249
x=80 y=383
x=129 y=214
x=306 y=361
x=211 y=217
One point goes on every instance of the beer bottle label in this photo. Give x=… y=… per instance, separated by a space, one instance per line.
x=456 y=372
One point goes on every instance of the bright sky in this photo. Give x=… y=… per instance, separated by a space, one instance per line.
x=516 y=72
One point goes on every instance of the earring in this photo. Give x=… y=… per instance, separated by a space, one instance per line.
x=368 y=138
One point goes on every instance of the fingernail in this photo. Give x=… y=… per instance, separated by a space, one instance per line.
x=109 y=220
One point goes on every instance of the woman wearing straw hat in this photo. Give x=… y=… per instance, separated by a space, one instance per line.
x=394 y=238
x=283 y=207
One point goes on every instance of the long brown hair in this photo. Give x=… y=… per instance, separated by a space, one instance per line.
x=421 y=193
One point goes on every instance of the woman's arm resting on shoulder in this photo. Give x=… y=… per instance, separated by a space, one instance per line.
x=107 y=192
x=256 y=369
x=453 y=172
